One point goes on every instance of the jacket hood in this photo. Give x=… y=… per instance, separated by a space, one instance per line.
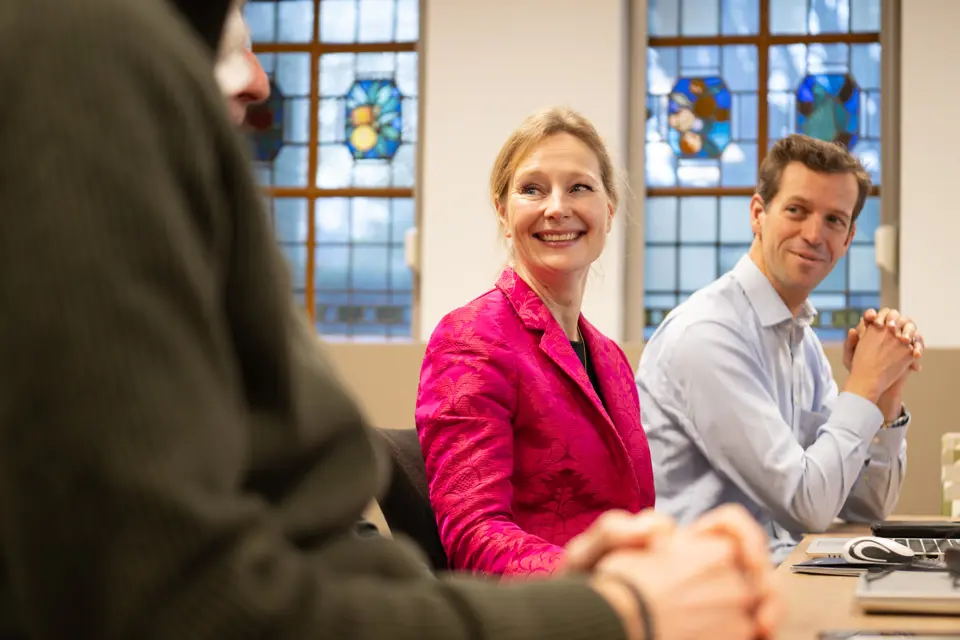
x=207 y=18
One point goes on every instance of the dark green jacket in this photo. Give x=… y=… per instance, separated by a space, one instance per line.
x=178 y=460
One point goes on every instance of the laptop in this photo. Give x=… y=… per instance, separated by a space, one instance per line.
x=827 y=547
x=927 y=592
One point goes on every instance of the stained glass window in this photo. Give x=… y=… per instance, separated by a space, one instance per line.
x=279 y=129
x=830 y=91
x=368 y=120
x=703 y=108
x=711 y=117
x=335 y=149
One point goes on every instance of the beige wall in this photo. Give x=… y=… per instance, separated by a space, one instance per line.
x=929 y=219
x=487 y=66
x=384 y=379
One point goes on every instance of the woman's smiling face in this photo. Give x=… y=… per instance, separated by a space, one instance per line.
x=556 y=211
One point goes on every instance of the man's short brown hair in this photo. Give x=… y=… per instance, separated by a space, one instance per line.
x=816 y=155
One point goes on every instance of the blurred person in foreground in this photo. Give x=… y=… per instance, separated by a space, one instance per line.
x=180 y=460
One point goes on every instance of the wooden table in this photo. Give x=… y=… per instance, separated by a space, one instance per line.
x=821 y=603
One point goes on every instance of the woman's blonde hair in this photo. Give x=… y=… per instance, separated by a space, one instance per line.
x=533 y=131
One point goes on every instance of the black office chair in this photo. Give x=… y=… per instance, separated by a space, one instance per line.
x=406 y=505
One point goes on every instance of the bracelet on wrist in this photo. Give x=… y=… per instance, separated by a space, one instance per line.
x=646 y=620
x=900 y=421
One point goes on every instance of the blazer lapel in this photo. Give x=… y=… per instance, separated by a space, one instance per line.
x=605 y=361
x=623 y=413
x=554 y=343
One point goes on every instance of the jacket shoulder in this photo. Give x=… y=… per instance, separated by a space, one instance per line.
x=486 y=315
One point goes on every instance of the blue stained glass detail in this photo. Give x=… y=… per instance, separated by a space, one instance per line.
x=277 y=129
x=265 y=123
x=373 y=119
x=828 y=108
x=699 y=117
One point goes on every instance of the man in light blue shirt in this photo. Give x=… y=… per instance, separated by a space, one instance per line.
x=737 y=397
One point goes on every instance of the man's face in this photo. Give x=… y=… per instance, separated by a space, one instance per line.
x=238 y=72
x=805 y=229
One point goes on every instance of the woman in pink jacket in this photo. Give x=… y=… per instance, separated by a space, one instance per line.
x=528 y=416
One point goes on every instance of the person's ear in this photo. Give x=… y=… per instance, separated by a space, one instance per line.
x=502 y=218
x=757 y=213
x=611 y=212
x=853 y=232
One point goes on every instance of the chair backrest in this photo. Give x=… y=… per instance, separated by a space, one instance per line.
x=406 y=504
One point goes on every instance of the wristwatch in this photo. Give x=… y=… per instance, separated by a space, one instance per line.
x=899 y=422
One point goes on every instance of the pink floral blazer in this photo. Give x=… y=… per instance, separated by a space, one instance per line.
x=521 y=454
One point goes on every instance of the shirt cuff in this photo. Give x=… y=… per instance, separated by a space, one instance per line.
x=857 y=414
x=887 y=443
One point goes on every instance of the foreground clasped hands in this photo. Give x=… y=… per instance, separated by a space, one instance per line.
x=712 y=579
